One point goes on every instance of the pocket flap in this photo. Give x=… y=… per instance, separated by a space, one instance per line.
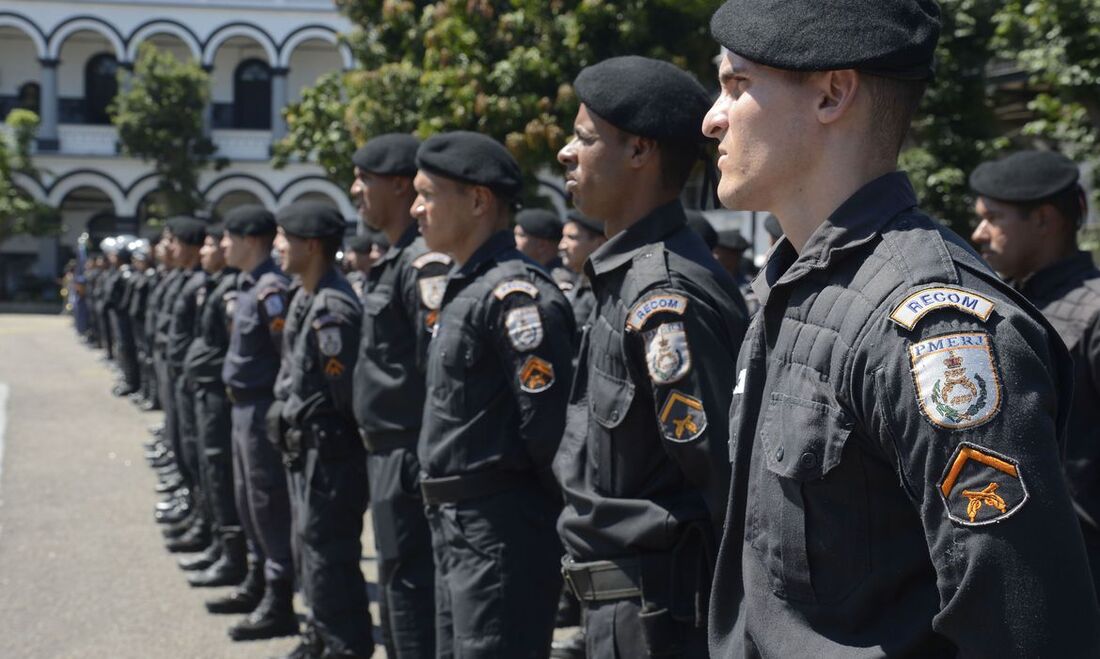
x=609 y=398
x=377 y=300
x=803 y=439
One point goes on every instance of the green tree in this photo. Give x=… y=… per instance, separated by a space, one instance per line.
x=19 y=212
x=159 y=116
x=502 y=67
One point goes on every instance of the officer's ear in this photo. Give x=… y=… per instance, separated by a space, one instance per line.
x=836 y=93
x=642 y=151
x=401 y=186
x=483 y=201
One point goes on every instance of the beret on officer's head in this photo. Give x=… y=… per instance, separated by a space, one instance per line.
x=540 y=223
x=592 y=224
x=645 y=97
x=471 y=158
x=702 y=226
x=771 y=225
x=216 y=232
x=361 y=243
x=1024 y=176
x=311 y=219
x=890 y=38
x=250 y=220
x=392 y=154
x=187 y=230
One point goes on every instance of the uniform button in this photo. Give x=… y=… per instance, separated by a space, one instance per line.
x=808 y=460
x=615 y=415
x=779 y=454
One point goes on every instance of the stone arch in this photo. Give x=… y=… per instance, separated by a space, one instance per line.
x=313 y=33
x=227 y=32
x=87 y=178
x=26 y=26
x=163 y=26
x=29 y=185
x=90 y=24
x=320 y=185
x=241 y=183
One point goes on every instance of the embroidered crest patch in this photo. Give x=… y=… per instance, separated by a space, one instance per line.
x=273 y=305
x=682 y=417
x=200 y=297
x=919 y=304
x=667 y=354
x=329 y=341
x=957 y=382
x=524 y=328
x=430 y=257
x=230 y=300
x=515 y=286
x=431 y=291
x=654 y=304
x=981 y=487
x=536 y=375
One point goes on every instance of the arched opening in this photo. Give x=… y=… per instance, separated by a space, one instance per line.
x=19 y=72
x=252 y=95
x=149 y=213
x=231 y=200
x=310 y=60
x=100 y=87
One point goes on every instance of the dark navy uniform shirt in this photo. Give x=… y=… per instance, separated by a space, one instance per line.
x=498 y=368
x=895 y=440
x=206 y=356
x=172 y=284
x=400 y=307
x=645 y=447
x=256 y=341
x=185 y=311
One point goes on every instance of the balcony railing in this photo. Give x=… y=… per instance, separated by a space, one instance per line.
x=90 y=140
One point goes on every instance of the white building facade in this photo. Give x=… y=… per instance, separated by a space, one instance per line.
x=60 y=59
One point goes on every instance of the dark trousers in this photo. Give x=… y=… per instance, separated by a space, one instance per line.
x=168 y=402
x=187 y=458
x=262 y=500
x=497 y=574
x=406 y=567
x=215 y=428
x=126 y=350
x=328 y=500
x=629 y=629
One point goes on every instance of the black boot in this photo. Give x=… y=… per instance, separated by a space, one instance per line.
x=196 y=539
x=199 y=562
x=229 y=569
x=272 y=618
x=309 y=645
x=170 y=531
x=247 y=596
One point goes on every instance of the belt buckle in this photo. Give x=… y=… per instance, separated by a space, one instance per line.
x=567 y=577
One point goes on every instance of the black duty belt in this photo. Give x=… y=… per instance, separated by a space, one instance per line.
x=600 y=581
x=452 y=489
x=388 y=440
x=244 y=396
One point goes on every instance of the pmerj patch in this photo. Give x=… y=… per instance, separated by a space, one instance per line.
x=329 y=341
x=516 y=286
x=667 y=354
x=431 y=291
x=524 y=328
x=923 y=302
x=653 y=305
x=956 y=378
x=980 y=486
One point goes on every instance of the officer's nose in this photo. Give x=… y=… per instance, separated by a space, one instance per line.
x=716 y=121
x=981 y=233
x=568 y=154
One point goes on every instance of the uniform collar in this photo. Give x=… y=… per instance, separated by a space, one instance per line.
x=406 y=239
x=331 y=279
x=1051 y=278
x=655 y=227
x=855 y=223
x=501 y=241
x=266 y=266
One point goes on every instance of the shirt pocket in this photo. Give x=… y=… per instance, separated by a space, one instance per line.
x=609 y=401
x=377 y=310
x=810 y=519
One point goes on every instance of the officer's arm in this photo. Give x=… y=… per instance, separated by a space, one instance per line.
x=970 y=413
x=533 y=340
x=679 y=351
x=334 y=336
x=272 y=307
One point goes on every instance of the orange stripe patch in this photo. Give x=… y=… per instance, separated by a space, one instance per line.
x=968 y=453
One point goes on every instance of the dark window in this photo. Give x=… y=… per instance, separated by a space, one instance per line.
x=29 y=93
x=252 y=95
x=100 y=88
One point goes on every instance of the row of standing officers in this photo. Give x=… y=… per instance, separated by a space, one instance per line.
x=873 y=465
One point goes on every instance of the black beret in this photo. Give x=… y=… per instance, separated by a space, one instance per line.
x=216 y=232
x=539 y=223
x=1024 y=176
x=392 y=154
x=645 y=97
x=890 y=38
x=311 y=219
x=471 y=158
x=592 y=224
x=771 y=225
x=361 y=243
x=733 y=239
x=250 y=220
x=702 y=226
x=187 y=230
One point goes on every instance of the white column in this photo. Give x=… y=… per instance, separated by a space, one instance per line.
x=278 y=102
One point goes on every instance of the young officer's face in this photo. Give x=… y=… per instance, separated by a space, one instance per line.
x=440 y=209
x=210 y=255
x=576 y=245
x=596 y=165
x=763 y=121
x=1005 y=236
x=293 y=252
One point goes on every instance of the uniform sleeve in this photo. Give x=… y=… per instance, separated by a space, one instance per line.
x=970 y=413
x=422 y=289
x=679 y=352
x=533 y=340
x=272 y=307
x=335 y=337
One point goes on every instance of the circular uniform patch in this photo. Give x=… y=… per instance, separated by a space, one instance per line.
x=956 y=379
x=524 y=328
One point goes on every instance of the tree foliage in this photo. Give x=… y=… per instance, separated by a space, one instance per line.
x=159 y=116
x=19 y=212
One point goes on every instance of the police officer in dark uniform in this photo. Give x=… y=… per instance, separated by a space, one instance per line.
x=496 y=392
x=643 y=462
x=203 y=370
x=899 y=410
x=258 y=317
x=1031 y=205
x=580 y=236
x=188 y=236
x=538 y=233
x=102 y=283
x=729 y=251
x=358 y=260
x=117 y=304
x=144 y=280
x=321 y=446
x=400 y=307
